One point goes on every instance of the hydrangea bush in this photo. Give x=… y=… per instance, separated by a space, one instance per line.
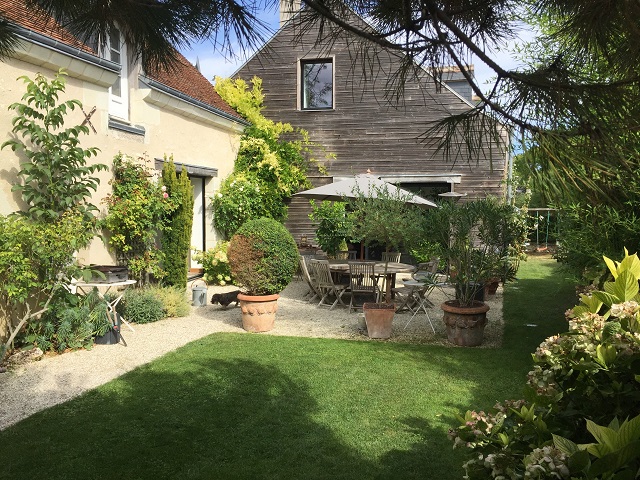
x=215 y=264
x=584 y=382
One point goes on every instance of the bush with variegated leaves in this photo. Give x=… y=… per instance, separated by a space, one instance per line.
x=584 y=386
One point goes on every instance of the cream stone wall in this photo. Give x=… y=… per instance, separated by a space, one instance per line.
x=172 y=127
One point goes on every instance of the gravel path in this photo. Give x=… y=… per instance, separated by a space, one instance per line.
x=57 y=378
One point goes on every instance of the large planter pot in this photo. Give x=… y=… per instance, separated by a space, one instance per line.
x=465 y=325
x=379 y=319
x=491 y=286
x=258 y=311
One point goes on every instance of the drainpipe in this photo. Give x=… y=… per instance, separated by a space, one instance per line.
x=510 y=199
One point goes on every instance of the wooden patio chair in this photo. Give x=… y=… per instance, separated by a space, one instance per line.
x=362 y=279
x=391 y=256
x=326 y=285
x=313 y=292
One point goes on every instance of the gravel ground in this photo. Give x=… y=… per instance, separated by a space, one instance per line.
x=30 y=388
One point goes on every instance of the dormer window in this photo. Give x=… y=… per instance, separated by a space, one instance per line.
x=317 y=84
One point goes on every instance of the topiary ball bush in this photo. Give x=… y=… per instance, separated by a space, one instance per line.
x=263 y=256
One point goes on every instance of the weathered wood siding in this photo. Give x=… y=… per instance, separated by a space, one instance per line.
x=364 y=130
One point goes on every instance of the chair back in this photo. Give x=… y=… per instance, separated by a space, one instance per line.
x=346 y=255
x=427 y=271
x=362 y=277
x=306 y=276
x=391 y=256
x=322 y=273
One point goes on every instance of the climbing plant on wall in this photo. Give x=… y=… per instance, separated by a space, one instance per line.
x=269 y=168
x=137 y=211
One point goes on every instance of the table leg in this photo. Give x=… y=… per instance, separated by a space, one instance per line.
x=112 y=308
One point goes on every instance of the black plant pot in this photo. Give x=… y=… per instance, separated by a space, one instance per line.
x=112 y=337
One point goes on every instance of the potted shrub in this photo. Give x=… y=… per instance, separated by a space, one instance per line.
x=504 y=228
x=263 y=257
x=475 y=238
x=386 y=219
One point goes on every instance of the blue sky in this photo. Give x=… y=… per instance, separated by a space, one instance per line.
x=214 y=63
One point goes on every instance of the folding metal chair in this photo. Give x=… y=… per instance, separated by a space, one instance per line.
x=421 y=287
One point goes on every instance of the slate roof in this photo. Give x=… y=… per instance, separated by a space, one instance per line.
x=184 y=78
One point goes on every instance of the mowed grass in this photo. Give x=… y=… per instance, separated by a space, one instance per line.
x=234 y=406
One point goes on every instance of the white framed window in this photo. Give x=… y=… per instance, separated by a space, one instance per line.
x=116 y=51
x=316 y=84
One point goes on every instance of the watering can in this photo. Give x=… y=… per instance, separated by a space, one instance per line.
x=199 y=293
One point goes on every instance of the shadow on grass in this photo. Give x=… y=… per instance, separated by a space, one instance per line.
x=205 y=419
x=236 y=406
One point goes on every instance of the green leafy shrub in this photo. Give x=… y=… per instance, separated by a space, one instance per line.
x=263 y=256
x=174 y=301
x=582 y=242
x=334 y=225
x=583 y=383
x=425 y=250
x=176 y=237
x=72 y=322
x=56 y=177
x=35 y=260
x=141 y=305
x=237 y=201
x=215 y=264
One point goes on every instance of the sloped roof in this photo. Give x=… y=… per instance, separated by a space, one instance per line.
x=35 y=19
x=184 y=78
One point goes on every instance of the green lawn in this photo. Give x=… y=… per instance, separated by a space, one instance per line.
x=251 y=406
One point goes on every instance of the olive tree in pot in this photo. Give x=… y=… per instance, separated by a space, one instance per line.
x=385 y=218
x=263 y=257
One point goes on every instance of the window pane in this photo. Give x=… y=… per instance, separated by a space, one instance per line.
x=114 y=43
x=317 y=84
x=116 y=88
x=114 y=53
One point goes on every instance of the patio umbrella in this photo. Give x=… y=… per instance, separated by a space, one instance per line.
x=367 y=184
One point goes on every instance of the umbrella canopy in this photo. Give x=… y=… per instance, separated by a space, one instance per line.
x=367 y=184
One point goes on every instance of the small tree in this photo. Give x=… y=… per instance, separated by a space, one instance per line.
x=176 y=239
x=387 y=218
x=334 y=225
x=55 y=178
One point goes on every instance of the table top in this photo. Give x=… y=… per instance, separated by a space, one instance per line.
x=392 y=267
x=123 y=283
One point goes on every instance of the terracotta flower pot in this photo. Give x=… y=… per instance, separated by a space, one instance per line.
x=465 y=325
x=379 y=319
x=258 y=311
x=491 y=286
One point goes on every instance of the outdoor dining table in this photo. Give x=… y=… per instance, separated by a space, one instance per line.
x=341 y=266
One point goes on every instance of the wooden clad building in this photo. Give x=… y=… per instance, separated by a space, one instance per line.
x=331 y=90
